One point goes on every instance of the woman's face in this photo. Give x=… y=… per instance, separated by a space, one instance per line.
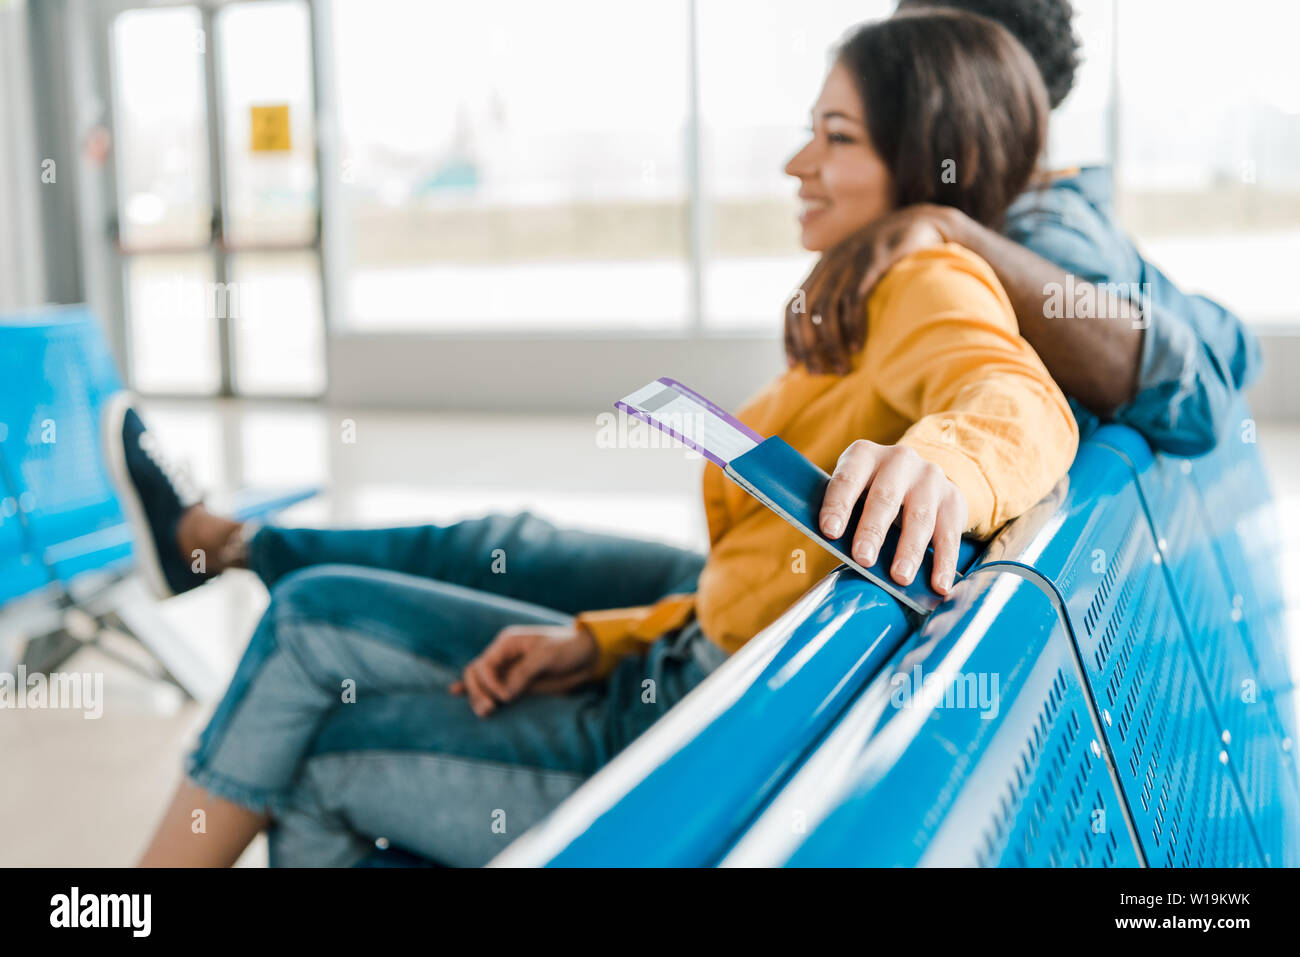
x=843 y=184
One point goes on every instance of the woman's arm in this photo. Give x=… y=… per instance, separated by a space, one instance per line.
x=552 y=659
x=990 y=428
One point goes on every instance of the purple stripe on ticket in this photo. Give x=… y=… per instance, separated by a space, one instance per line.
x=637 y=413
x=721 y=413
x=691 y=419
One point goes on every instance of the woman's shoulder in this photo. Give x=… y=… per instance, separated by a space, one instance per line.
x=939 y=263
x=940 y=277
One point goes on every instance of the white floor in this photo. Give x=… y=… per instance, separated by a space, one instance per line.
x=79 y=792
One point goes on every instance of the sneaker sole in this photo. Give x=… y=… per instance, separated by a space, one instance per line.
x=146 y=551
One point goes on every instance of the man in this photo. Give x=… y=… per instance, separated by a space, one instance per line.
x=1122 y=341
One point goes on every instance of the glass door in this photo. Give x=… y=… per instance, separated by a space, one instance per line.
x=218 y=213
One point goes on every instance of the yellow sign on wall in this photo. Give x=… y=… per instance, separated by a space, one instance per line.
x=270 y=126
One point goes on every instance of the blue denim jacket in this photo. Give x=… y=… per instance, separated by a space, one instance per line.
x=1196 y=355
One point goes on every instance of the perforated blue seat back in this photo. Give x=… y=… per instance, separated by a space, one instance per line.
x=57 y=371
x=1246 y=702
x=955 y=781
x=1156 y=715
x=1099 y=551
x=20 y=572
x=1246 y=535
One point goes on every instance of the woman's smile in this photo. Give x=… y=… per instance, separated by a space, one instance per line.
x=810 y=207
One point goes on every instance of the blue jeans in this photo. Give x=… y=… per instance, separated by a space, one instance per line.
x=339 y=722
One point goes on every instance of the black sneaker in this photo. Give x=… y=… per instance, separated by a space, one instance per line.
x=154 y=493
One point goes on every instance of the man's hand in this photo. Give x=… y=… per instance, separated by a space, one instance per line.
x=538 y=659
x=933 y=509
x=830 y=325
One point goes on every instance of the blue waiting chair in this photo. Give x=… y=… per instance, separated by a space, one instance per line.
x=693 y=782
x=64 y=541
x=931 y=769
x=54 y=388
x=1101 y=556
x=1123 y=643
x=1116 y=623
x=688 y=788
x=1244 y=669
x=1246 y=536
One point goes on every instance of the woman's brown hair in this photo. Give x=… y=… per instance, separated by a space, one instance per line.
x=957 y=112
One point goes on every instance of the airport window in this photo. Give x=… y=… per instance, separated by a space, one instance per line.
x=492 y=172
x=760 y=67
x=175 y=345
x=271 y=200
x=279 y=331
x=502 y=172
x=1209 y=134
x=265 y=64
x=161 y=127
x=218 y=201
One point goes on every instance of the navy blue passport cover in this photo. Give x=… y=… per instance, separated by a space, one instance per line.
x=787 y=483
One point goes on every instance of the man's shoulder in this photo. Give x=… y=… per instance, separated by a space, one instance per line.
x=1068 y=218
x=1077 y=197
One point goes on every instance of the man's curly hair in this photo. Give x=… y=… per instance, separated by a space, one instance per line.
x=1043 y=27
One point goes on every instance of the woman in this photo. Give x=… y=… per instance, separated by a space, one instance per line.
x=344 y=721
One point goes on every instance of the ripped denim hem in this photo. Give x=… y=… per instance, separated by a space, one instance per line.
x=260 y=800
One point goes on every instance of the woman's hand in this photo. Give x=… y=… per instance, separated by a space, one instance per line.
x=895 y=477
x=538 y=659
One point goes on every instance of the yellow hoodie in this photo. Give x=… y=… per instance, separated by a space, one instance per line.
x=945 y=371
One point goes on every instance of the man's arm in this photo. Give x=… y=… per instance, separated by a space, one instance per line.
x=1168 y=364
x=1094 y=353
x=1094 y=356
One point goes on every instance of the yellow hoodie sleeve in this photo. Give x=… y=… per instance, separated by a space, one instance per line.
x=622 y=631
x=946 y=353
